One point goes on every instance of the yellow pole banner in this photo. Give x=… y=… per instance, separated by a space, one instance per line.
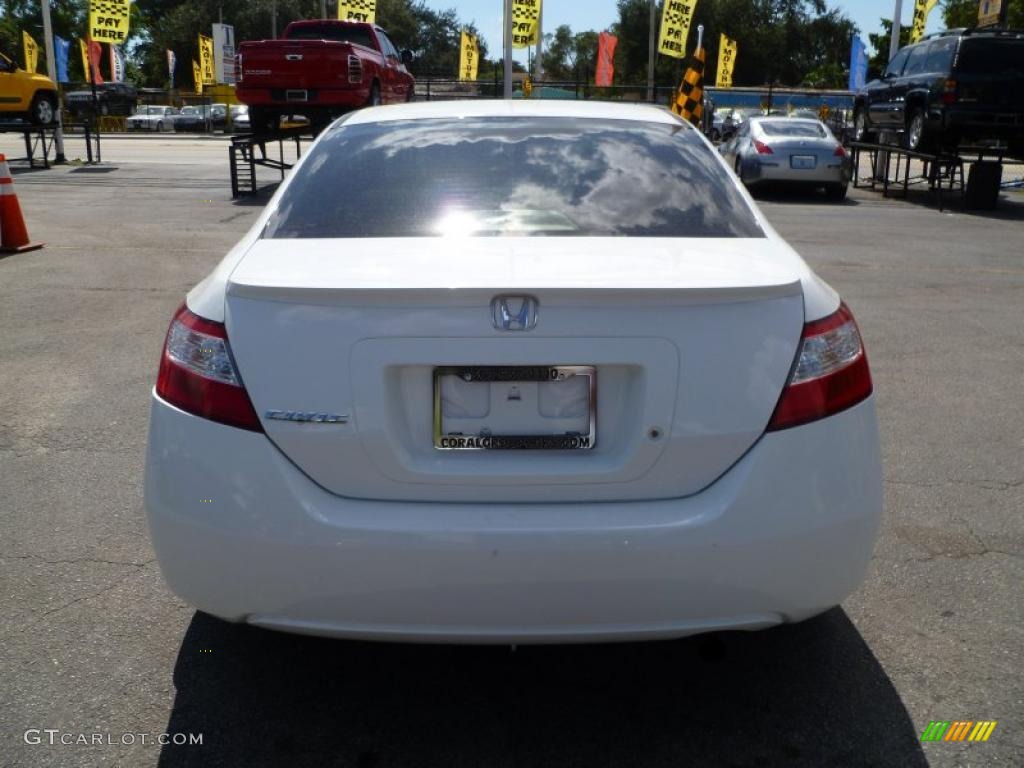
x=108 y=21
x=469 y=56
x=31 y=52
x=358 y=10
x=197 y=75
x=525 y=20
x=675 y=27
x=921 y=10
x=206 y=59
x=727 y=50
x=85 y=60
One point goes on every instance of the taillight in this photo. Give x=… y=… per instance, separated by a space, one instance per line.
x=198 y=373
x=840 y=151
x=949 y=94
x=762 y=148
x=355 y=69
x=831 y=372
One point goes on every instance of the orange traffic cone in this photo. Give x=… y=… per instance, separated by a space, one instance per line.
x=13 y=233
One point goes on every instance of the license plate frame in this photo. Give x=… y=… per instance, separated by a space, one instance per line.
x=296 y=94
x=803 y=162
x=515 y=373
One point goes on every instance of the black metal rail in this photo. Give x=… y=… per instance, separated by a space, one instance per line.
x=248 y=152
x=39 y=140
x=941 y=172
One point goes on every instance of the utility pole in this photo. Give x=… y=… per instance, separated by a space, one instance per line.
x=273 y=19
x=323 y=9
x=897 y=24
x=51 y=68
x=651 y=42
x=538 y=67
x=507 y=86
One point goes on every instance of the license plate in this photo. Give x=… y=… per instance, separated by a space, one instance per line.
x=543 y=407
x=295 y=95
x=803 y=162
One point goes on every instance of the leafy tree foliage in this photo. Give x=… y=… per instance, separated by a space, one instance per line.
x=788 y=42
x=568 y=56
x=964 y=13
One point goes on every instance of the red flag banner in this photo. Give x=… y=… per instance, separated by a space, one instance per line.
x=605 y=60
x=95 y=56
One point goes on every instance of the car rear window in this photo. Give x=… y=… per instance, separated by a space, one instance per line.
x=792 y=128
x=339 y=32
x=512 y=176
x=991 y=56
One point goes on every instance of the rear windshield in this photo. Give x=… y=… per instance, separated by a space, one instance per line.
x=505 y=176
x=991 y=56
x=343 y=33
x=792 y=128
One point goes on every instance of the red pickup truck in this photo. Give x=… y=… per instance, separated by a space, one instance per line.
x=320 y=69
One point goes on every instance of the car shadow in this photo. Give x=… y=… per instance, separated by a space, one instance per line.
x=1010 y=206
x=810 y=694
x=769 y=193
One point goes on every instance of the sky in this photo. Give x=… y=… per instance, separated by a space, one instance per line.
x=600 y=14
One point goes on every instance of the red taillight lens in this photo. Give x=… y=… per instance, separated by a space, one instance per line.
x=831 y=372
x=840 y=151
x=198 y=374
x=762 y=148
x=949 y=92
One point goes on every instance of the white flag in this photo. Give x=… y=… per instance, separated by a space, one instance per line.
x=116 y=64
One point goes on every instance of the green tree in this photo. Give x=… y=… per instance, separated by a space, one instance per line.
x=568 y=56
x=781 y=41
x=964 y=13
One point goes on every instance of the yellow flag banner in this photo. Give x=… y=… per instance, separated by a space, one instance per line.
x=85 y=60
x=921 y=10
x=108 y=21
x=206 y=59
x=358 y=10
x=31 y=52
x=469 y=56
x=727 y=50
x=675 y=26
x=525 y=20
x=197 y=75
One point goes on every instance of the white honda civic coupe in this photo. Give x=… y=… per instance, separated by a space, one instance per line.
x=510 y=372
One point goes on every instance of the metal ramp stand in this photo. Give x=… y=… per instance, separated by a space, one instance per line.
x=941 y=172
x=39 y=140
x=248 y=152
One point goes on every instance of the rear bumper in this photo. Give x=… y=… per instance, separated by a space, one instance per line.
x=984 y=123
x=241 y=533
x=756 y=171
x=317 y=99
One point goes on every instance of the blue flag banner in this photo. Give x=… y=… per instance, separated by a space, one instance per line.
x=61 y=49
x=858 y=64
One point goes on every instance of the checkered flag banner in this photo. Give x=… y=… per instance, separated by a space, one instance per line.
x=689 y=101
x=525 y=20
x=358 y=10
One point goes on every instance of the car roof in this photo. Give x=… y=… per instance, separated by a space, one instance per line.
x=783 y=119
x=595 y=110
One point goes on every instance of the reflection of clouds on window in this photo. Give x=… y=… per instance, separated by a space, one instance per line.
x=505 y=176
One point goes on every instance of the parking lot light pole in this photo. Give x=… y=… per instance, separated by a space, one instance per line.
x=51 y=68
x=507 y=85
x=651 y=40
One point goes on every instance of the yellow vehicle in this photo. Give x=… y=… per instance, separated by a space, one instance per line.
x=25 y=94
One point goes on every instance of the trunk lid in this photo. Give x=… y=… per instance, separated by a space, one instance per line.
x=295 y=64
x=692 y=342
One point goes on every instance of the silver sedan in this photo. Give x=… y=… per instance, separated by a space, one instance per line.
x=789 y=150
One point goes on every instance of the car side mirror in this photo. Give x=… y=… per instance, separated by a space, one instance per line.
x=406 y=57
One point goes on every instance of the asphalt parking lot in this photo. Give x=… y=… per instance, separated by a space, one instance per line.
x=94 y=643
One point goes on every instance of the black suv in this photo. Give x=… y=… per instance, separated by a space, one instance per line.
x=111 y=98
x=961 y=85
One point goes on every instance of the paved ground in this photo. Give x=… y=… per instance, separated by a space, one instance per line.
x=92 y=642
